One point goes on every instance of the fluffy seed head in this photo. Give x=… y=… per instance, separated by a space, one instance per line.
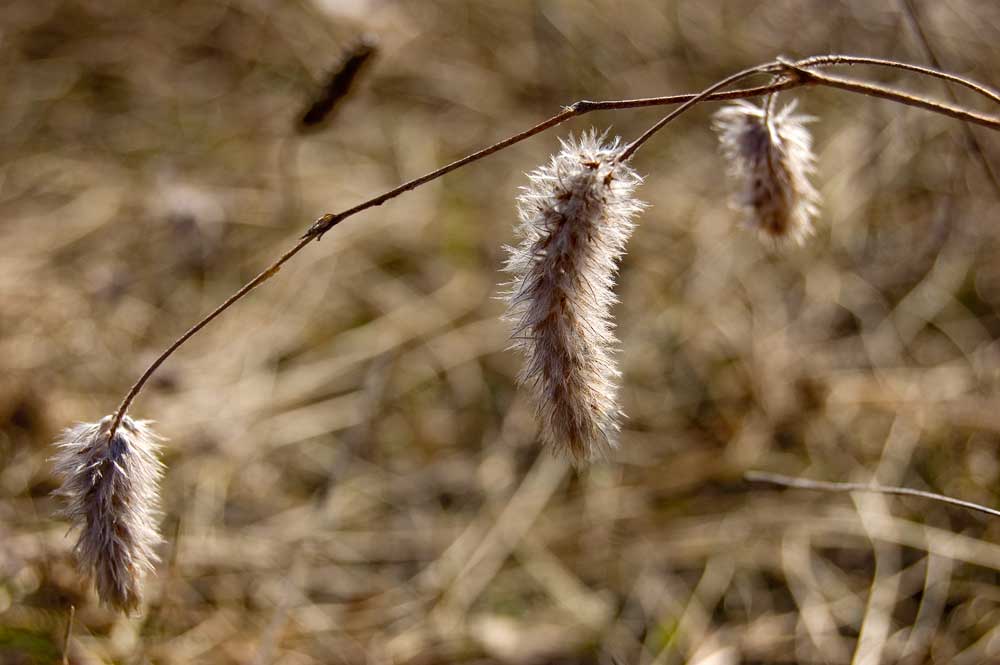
x=771 y=156
x=575 y=218
x=112 y=495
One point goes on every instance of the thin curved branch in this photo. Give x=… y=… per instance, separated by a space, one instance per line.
x=795 y=75
x=328 y=221
x=835 y=60
x=265 y=275
x=648 y=134
x=579 y=108
x=828 y=486
x=585 y=106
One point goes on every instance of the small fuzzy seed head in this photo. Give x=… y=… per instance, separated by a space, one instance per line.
x=576 y=215
x=771 y=156
x=111 y=494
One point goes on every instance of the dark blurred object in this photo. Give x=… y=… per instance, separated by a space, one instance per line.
x=338 y=85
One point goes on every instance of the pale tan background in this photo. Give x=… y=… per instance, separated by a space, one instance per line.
x=353 y=476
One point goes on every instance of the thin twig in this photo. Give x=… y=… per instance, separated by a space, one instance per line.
x=579 y=108
x=796 y=75
x=229 y=302
x=585 y=106
x=828 y=486
x=636 y=144
x=909 y=99
x=936 y=72
x=910 y=14
x=327 y=222
x=69 y=633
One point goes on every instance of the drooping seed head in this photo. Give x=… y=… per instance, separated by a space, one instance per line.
x=111 y=494
x=770 y=155
x=576 y=215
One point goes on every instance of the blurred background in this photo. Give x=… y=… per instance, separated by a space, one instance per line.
x=353 y=476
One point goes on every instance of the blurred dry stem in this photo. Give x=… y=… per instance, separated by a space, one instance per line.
x=913 y=21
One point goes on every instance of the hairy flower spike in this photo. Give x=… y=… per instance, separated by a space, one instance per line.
x=575 y=218
x=112 y=496
x=771 y=155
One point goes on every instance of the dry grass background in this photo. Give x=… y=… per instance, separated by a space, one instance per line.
x=353 y=476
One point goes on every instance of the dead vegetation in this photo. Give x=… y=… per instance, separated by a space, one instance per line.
x=353 y=475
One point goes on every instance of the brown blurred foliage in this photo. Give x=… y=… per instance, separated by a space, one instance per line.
x=352 y=475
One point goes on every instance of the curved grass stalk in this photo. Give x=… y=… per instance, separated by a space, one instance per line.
x=791 y=74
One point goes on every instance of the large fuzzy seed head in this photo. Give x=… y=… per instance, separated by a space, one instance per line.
x=576 y=215
x=112 y=495
x=771 y=156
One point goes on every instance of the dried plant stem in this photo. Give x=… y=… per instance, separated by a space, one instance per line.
x=68 y=634
x=229 y=302
x=585 y=106
x=636 y=144
x=795 y=74
x=876 y=90
x=325 y=223
x=936 y=72
x=828 y=486
x=328 y=221
x=769 y=104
